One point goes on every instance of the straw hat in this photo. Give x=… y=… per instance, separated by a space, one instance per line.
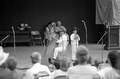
x=3 y=56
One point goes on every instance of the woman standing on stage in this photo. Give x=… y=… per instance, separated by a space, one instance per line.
x=74 y=37
x=52 y=41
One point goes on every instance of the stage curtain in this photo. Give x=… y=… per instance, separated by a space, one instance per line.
x=104 y=11
x=116 y=12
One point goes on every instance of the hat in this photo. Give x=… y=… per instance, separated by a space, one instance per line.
x=75 y=28
x=3 y=56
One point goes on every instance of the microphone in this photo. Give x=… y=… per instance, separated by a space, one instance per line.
x=83 y=21
x=8 y=35
x=12 y=28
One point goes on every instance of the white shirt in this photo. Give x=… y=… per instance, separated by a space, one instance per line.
x=62 y=41
x=37 y=68
x=58 y=73
x=73 y=40
x=109 y=73
x=81 y=72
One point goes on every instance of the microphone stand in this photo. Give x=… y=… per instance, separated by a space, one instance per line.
x=14 y=41
x=102 y=38
x=4 y=39
x=85 y=31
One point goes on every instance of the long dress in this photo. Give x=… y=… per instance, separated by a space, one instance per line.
x=51 y=46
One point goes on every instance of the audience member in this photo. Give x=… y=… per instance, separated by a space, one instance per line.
x=4 y=72
x=82 y=70
x=37 y=70
x=64 y=65
x=112 y=72
x=55 y=65
x=23 y=27
x=97 y=63
x=27 y=27
x=12 y=64
x=103 y=65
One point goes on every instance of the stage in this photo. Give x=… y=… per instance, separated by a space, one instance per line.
x=22 y=53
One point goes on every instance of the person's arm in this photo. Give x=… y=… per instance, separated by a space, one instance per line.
x=59 y=41
x=71 y=37
x=78 y=37
x=63 y=28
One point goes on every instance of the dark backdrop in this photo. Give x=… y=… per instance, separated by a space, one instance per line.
x=38 y=13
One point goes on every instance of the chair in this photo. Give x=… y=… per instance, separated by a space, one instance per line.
x=61 y=77
x=36 y=38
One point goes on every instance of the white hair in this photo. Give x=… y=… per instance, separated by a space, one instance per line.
x=36 y=55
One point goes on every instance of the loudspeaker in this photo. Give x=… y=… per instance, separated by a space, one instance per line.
x=113 y=37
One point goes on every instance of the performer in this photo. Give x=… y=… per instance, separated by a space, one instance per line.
x=52 y=37
x=60 y=27
x=62 y=44
x=74 y=37
x=47 y=34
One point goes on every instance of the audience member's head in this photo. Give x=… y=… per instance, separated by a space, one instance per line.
x=64 y=63
x=97 y=62
x=22 y=25
x=57 y=63
x=114 y=59
x=11 y=63
x=26 y=25
x=51 y=60
x=82 y=54
x=35 y=57
x=3 y=58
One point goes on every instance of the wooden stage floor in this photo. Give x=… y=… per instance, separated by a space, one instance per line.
x=22 y=53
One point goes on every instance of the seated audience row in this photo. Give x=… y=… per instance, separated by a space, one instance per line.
x=81 y=69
